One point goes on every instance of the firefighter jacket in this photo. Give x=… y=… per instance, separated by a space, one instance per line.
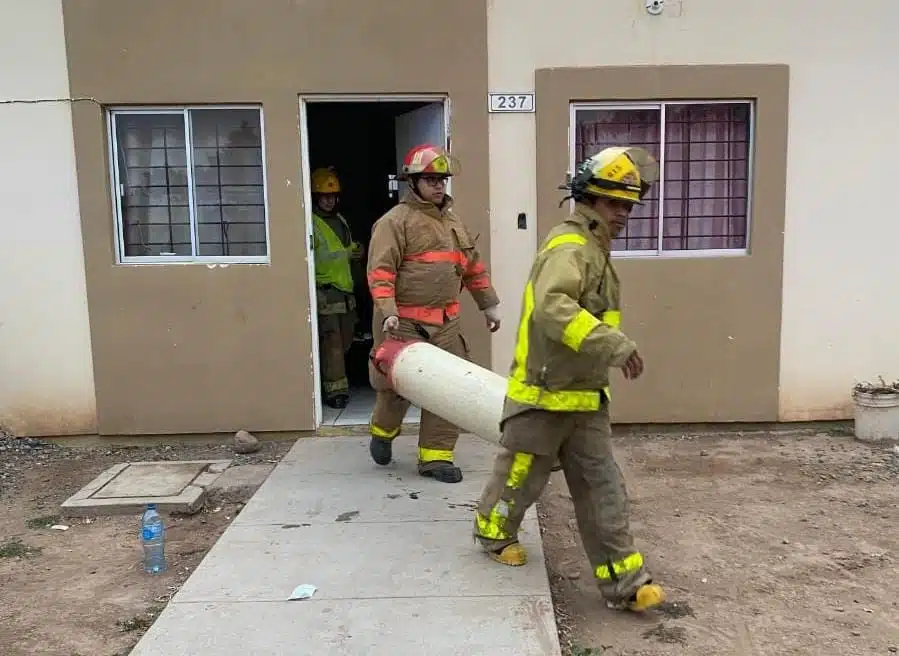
x=568 y=335
x=419 y=259
x=333 y=246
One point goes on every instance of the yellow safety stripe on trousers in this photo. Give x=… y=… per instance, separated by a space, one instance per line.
x=432 y=455
x=325 y=308
x=332 y=308
x=336 y=385
x=491 y=527
x=562 y=400
x=494 y=526
x=383 y=433
x=518 y=472
x=626 y=565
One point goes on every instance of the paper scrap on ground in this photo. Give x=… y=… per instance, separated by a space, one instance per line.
x=59 y=527
x=304 y=591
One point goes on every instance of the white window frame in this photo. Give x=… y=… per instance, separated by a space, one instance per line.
x=116 y=189
x=660 y=106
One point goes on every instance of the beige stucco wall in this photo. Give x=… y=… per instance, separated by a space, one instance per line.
x=46 y=375
x=839 y=309
x=198 y=349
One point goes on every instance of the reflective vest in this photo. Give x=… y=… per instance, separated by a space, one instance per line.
x=332 y=258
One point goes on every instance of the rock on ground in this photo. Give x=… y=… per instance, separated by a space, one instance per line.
x=245 y=442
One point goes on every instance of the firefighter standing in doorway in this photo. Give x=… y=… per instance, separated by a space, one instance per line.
x=420 y=257
x=557 y=399
x=334 y=250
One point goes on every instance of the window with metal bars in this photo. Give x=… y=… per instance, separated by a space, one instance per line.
x=704 y=148
x=189 y=184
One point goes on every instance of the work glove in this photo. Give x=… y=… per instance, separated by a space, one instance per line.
x=390 y=323
x=493 y=318
x=633 y=368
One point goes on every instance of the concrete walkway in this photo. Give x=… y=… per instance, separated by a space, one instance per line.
x=390 y=553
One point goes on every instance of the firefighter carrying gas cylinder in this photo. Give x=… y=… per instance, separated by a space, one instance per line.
x=334 y=248
x=420 y=257
x=557 y=398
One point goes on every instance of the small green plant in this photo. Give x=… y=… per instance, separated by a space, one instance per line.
x=15 y=548
x=577 y=650
x=42 y=522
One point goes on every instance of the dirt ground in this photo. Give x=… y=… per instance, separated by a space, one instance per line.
x=83 y=591
x=766 y=544
x=779 y=545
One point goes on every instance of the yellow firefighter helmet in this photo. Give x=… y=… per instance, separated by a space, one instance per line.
x=620 y=172
x=325 y=181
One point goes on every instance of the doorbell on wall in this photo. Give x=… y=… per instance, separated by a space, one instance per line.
x=654 y=7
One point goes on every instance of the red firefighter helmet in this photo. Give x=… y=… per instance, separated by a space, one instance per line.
x=428 y=159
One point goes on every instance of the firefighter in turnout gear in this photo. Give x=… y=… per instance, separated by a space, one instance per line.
x=420 y=258
x=334 y=249
x=557 y=399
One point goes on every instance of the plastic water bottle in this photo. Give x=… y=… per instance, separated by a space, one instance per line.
x=152 y=535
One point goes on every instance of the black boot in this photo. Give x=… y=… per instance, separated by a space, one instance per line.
x=445 y=472
x=381 y=450
x=338 y=401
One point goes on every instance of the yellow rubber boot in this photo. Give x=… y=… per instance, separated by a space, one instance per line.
x=513 y=555
x=648 y=595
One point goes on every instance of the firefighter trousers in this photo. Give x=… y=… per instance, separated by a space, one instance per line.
x=582 y=443
x=436 y=437
x=335 y=332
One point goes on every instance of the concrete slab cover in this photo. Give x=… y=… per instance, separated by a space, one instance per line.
x=146 y=479
x=126 y=488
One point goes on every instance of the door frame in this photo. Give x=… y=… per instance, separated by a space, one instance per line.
x=306 y=175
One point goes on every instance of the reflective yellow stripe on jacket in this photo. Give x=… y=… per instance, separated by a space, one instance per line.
x=574 y=334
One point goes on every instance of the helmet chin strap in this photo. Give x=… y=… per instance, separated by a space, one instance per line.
x=413 y=186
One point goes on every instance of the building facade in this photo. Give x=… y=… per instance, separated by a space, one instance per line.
x=156 y=208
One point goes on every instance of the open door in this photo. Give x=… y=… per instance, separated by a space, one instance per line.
x=322 y=116
x=423 y=125
x=306 y=176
